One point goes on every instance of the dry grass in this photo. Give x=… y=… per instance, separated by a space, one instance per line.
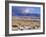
x=25 y=24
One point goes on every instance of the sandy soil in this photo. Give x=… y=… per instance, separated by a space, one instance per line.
x=25 y=24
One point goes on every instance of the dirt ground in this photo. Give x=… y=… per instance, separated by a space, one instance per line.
x=25 y=24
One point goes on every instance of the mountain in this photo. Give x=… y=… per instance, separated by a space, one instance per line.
x=34 y=15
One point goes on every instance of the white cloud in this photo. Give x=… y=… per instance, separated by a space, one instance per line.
x=26 y=10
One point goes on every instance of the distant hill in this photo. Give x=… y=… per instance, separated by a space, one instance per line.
x=34 y=15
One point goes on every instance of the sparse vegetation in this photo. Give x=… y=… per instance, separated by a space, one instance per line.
x=25 y=24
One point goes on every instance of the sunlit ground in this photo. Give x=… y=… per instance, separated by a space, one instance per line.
x=25 y=24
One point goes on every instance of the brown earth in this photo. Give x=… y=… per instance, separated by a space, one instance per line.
x=25 y=24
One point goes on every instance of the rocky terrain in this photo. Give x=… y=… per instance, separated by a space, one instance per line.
x=25 y=23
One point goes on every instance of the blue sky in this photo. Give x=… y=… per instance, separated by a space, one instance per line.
x=25 y=11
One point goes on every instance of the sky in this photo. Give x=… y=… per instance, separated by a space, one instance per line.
x=25 y=11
